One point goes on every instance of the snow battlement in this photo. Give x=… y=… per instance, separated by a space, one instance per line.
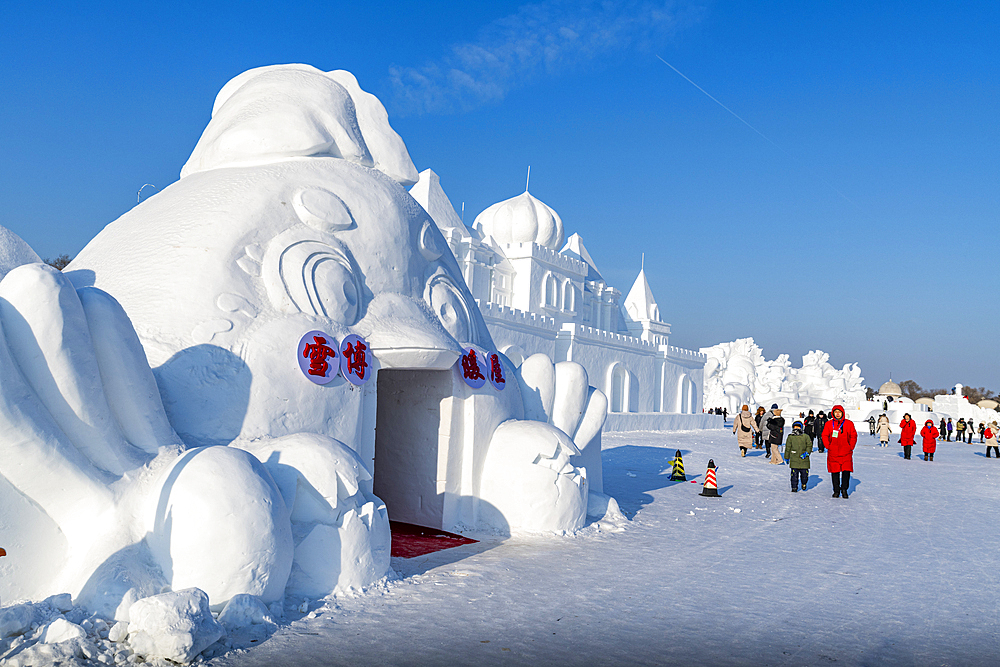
x=496 y=311
x=688 y=355
x=551 y=257
x=590 y=333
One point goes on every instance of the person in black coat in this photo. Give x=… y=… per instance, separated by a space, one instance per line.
x=942 y=429
x=818 y=428
x=774 y=428
x=808 y=424
x=759 y=435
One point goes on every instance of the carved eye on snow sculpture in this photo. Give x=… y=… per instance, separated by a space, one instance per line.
x=446 y=300
x=322 y=210
x=313 y=277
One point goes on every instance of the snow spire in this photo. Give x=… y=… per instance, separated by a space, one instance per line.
x=640 y=304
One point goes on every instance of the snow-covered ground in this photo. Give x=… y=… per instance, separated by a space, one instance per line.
x=905 y=572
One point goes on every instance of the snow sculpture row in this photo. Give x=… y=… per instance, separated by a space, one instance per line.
x=172 y=334
x=736 y=373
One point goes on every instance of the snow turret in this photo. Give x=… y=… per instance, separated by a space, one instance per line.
x=522 y=219
x=640 y=304
x=574 y=248
x=642 y=315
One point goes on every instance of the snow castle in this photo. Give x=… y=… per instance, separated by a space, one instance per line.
x=540 y=292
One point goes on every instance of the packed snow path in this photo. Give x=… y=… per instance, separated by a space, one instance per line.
x=905 y=572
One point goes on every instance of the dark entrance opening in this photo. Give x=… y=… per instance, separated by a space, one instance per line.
x=407 y=432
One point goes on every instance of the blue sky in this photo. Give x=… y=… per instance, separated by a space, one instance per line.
x=864 y=222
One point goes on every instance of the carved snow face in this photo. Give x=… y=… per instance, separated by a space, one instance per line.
x=227 y=269
x=289 y=217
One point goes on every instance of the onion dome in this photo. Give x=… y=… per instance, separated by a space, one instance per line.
x=522 y=219
x=890 y=388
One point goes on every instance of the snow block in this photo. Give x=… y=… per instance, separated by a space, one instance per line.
x=63 y=601
x=61 y=630
x=17 y=619
x=176 y=625
x=243 y=610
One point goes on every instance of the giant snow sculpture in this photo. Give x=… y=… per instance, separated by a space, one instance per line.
x=290 y=216
x=737 y=374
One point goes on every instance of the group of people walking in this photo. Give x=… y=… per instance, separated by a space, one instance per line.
x=930 y=434
x=836 y=434
x=963 y=429
x=838 y=437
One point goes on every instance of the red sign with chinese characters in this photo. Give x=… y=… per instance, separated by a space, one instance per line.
x=355 y=359
x=317 y=356
x=472 y=365
x=498 y=376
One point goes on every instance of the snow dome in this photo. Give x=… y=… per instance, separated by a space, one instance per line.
x=890 y=388
x=522 y=219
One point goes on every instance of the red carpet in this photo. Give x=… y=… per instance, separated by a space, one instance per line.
x=409 y=540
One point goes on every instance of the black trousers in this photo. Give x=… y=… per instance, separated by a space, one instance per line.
x=801 y=475
x=841 y=480
x=995 y=449
x=906 y=451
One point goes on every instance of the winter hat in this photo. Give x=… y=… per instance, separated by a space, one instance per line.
x=797 y=424
x=929 y=421
x=774 y=406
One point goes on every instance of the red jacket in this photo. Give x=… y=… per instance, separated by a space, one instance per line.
x=908 y=431
x=840 y=457
x=930 y=434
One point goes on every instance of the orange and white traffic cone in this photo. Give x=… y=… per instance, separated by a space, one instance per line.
x=711 y=487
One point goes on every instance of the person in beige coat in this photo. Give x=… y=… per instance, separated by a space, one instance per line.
x=745 y=426
x=883 y=429
x=990 y=437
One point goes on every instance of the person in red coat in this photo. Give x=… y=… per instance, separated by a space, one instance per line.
x=908 y=430
x=840 y=437
x=929 y=433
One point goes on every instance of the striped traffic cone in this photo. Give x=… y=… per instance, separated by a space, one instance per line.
x=677 y=474
x=711 y=487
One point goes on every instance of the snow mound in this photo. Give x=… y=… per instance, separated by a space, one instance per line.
x=272 y=113
x=244 y=610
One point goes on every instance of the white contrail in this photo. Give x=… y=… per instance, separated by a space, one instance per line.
x=764 y=136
